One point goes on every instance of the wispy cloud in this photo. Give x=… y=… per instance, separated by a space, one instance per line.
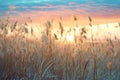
x=50 y=8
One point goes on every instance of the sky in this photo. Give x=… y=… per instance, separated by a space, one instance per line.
x=99 y=10
x=40 y=11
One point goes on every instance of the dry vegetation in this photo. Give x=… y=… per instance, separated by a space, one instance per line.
x=51 y=57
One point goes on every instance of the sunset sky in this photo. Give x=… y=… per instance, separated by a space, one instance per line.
x=101 y=11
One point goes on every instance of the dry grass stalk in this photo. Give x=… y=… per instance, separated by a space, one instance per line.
x=27 y=58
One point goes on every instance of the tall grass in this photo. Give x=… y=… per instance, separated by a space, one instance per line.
x=51 y=57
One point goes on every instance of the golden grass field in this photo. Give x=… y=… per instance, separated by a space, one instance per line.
x=34 y=52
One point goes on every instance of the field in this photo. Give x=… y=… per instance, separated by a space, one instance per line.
x=30 y=52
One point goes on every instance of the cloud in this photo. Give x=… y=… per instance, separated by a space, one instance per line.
x=51 y=8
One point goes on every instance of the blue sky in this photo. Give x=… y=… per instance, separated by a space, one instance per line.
x=104 y=8
x=4 y=4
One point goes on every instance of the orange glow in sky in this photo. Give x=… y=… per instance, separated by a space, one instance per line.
x=105 y=16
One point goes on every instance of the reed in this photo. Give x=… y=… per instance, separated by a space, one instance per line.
x=23 y=56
